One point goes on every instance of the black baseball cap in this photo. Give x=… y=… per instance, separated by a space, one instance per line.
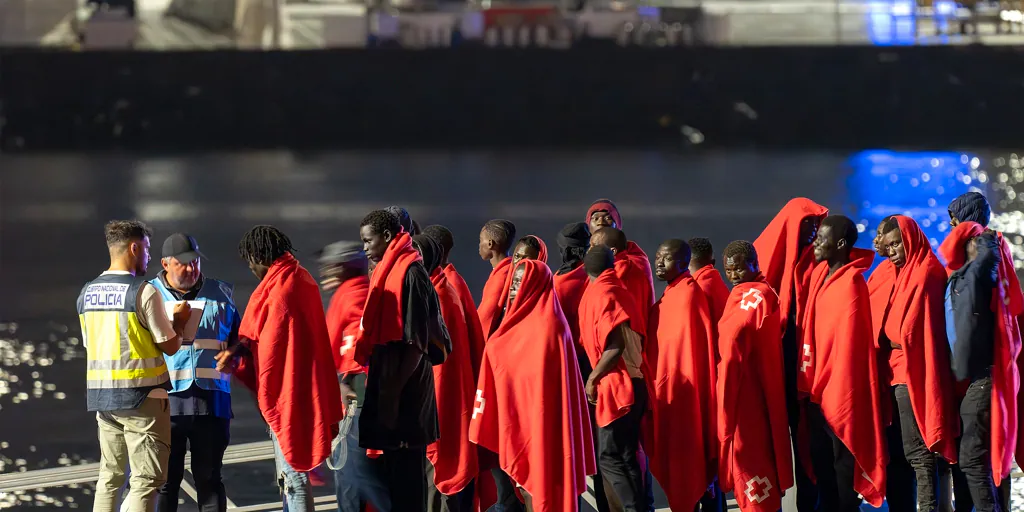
x=182 y=247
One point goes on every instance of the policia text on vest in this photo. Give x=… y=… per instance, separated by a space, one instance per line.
x=127 y=382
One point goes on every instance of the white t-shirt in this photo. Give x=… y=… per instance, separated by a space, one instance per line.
x=149 y=307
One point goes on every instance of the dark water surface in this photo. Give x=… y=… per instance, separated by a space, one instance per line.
x=52 y=210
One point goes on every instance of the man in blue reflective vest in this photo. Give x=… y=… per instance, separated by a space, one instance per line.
x=200 y=397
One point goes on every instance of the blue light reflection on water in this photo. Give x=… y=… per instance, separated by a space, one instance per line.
x=917 y=184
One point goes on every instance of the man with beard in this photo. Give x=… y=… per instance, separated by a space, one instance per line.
x=912 y=330
x=682 y=429
x=402 y=336
x=126 y=333
x=785 y=250
x=839 y=373
x=755 y=461
x=200 y=397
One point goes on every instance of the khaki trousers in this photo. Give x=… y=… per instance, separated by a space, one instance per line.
x=139 y=438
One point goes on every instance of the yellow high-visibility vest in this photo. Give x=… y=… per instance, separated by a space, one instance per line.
x=123 y=362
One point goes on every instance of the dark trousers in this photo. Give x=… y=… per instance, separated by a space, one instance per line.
x=506 y=490
x=600 y=497
x=440 y=502
x=206 y=437
x=713 y=501
x=361 y=480
x=916 y=453
x=834 y=465
x=617 y=454
x=975 y=461
x=806 y=491
x=406 y=480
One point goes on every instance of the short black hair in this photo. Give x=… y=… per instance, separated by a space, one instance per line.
x=888 y=224
x=597 y=260
x=443 y=236
x=843 y=228
x=613 y=238
x=381 y=221
x=530 y=241
x=678 y=248
x=740 y=248
x=502 y=231
x=264 y=244
x=701 y=249
x=120 y=232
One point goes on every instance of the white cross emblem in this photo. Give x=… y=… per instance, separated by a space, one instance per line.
x=757 y=485
x=747 y=305
x=347 y=343
x=807 y=358
x=478 y=409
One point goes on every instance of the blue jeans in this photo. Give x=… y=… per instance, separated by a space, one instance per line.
x=360 y=479
x=296 y=490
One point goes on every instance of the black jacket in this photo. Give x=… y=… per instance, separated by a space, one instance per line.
x=970 y=292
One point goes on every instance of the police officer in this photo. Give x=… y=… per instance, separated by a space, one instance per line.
x=126 y=332
x=200 y=397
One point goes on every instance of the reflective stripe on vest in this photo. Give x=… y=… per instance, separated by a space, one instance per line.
x=196 y=363
x=123 y=362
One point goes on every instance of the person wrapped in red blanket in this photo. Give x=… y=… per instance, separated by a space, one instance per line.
x=617 y=386
x=838 y=371
x=453 y=457
x=529 y=406
x=289 y=364
x=972 y=206
x=755 y=461
x=681 y=436
x=702 y=268
x=786 y=261
x=632 y=268
x=403 y=336
x=912 y=330
x=496 y=240
x=986 y=342
x=477 y=339
x=571 y=278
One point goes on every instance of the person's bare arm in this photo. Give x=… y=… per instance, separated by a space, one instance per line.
x=614 y=347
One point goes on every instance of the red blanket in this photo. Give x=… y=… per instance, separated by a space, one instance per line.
x=343 y=316
x=785 y=267
x=606 y=305
x=918 y=298
x=530 y=407
x=570 y=287
x=755 y=461
x=634 y=270
x=1007 y=303
x=880 y=285
x=717 y=294
x=542 y=256
x=475 y=332
x=678 y=349
x=383 y=319
x=839 y=368
x=291 y=369
x=453 y=456
x=489 y=309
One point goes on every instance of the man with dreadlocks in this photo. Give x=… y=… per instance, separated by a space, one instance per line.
x=288 y=362
x=402 y=337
